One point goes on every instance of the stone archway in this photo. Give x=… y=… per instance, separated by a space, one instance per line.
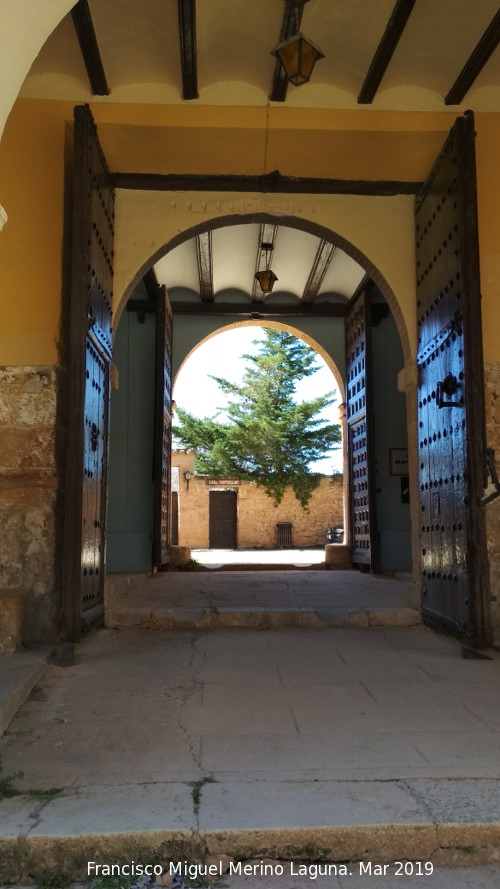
x=405 y=379
x=317 y=347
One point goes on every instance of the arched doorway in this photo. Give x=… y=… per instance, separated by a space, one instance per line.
x=357 y=310
x=391 y=532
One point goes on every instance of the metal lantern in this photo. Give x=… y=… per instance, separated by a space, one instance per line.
x=298 y=55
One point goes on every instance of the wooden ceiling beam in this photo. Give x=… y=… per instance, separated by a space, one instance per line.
x=318 y=271
x=290 y=25
x=383 y=54
x=264 y=309
x=267 y=235
x=187 y=43
x=84 y=27
x=270 y=183
x=475 y=63
x=205 y=265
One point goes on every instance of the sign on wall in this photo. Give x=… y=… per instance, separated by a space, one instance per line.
x=223 y=482
x=399 y=461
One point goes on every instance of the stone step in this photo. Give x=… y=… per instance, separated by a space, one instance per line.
x=19 y=673
x=192 y=618
x=439 y=822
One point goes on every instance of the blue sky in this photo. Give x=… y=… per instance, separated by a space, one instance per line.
x=221 y=356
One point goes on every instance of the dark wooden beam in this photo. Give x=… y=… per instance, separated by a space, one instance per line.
x=142 y=307
x=475 y=63
x=205 y=265
x=363 y=285
x=383 y=55
x=271 y=183
x=251 y=310
x=87 y=39
x=292 y=17
x=187 y=43
x=267 y=235
x=320 y=265
x=151 y=283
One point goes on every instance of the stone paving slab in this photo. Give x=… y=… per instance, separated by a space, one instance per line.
x=293 y=804
x=19 y=672
x=338 y=821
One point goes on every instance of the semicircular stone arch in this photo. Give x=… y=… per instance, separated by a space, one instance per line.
x=302 y=224
x=278 y=325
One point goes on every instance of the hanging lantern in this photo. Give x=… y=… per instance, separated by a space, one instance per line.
x=266 y=279
x=298 y=55
x=266 y=276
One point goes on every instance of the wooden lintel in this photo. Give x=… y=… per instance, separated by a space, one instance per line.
x=290 y=25
x=363 y=285
x=84 y=27
x=205 y=265
x=187 y=44
x=151 y=283
x=320 y=265
x=143 y=306
x=260 y=310
x=475 y=63
x=271 y=183
x=384 y=52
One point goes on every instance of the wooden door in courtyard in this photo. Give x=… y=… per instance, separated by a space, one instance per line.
x=162 y=504
x=89 y=379
x=222 y=512
x=363 y=533
x=451 y=441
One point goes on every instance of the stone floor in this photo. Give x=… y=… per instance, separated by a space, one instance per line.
x=331 y=743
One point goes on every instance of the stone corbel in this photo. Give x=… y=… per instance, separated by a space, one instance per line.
x=408 y=377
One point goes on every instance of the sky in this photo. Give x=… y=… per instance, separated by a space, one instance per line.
x=195 y=392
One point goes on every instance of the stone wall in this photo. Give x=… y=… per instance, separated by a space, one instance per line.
x=256 y=513
x=30 y=496
x=492 y=404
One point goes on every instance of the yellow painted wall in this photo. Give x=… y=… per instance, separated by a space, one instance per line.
x=488 y=193
x=32 y=187
x=298 y=141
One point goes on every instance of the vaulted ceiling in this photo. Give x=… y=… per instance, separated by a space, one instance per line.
x=380 y=55
x=411 y=54
x=219 y=266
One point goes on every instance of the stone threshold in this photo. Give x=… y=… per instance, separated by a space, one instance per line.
x=147 y=617
x=449 y=822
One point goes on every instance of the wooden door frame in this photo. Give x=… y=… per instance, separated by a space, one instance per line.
x=210 y=500
x=475 y=624
x=80 y=331
x=372 y=561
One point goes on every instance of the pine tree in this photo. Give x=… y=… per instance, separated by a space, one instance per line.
x=267 y=436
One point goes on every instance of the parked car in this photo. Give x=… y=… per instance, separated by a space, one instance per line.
x=335 y=535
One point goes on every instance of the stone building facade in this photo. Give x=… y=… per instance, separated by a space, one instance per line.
x=257 y=518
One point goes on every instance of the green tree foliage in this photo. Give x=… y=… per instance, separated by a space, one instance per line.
x=266 y=436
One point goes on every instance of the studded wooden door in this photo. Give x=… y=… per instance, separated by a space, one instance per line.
x=450 y=394
x=89 y=379
x=163 y=431
x=222 y=519
x=363 y=535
